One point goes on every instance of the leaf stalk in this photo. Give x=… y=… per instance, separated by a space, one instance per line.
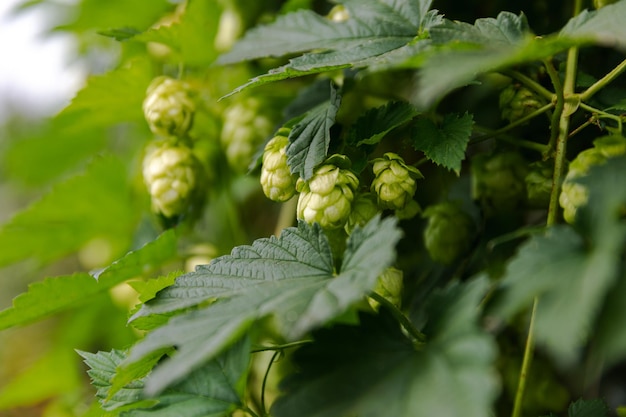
x=398 y=315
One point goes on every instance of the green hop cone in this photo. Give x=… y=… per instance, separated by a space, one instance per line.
x=394 y=182
x=278 y=183
x=574 y=195
x=498 y=181
x=172 y=174
x=389 y=286
x=246 y=126
x=517 y=101
x=448 y=233
x=364 y=208
x=327 y=197
x=539 y=184
x=169 y=107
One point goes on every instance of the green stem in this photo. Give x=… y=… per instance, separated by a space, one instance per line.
x=249 y=411
x=558 y=109
x=404 y=320
x=530 y=83
x=603 y=115
x=528 y=355
x=264 y=383
x=497 y=134
x=281 y=347
x=602 y=82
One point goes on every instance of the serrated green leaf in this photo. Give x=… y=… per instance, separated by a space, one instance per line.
x=570 y=274
x=112 y=98
x=445 y=145
x=374 y=370
x=588 y=408
x=603 y=27
x=370 y=128
x=212 y=390
x=310 y=138
x=53 y=295
x=290 y=278
x=375 y=28
x=93 y=205
x=507 y=29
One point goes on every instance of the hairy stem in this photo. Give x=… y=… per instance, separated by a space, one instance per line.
x=528 y=355
x=558 y=109
x=602 y=114
x=404 y=320
x=264 y=412
x=602 y=82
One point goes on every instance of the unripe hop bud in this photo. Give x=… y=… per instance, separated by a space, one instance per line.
x=327 y=197
x=449 y=232
x=539 y=184
x=172 y=174
x=389 y=286
x=574 y=195
x=517 y=101
x=169 y=107
x=246 y=126
x=394 y=183
x=498 y=181
x=364 y=208
x=278 y=183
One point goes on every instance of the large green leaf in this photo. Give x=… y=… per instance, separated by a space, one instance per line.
x=376 y=123
x=56 y=294
x=445 y=145
x=310 y=138
x=95 y=205
x=604 y=26
x=290 y=278
x=374 y=28
x=212 y=390
x=570 y=274
x=374 y=370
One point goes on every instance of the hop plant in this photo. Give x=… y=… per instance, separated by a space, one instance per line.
x=517 y=101
x=169 y=107
x=364 y=208
x=327 y=197
x=172 y=174
x=394 y=182
x=448 y=233
x=278 y=183
x=539 y=184
x=498 y=181
x=574 y=195
x=246 y=125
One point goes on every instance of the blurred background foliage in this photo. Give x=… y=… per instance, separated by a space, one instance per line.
x=71 y=193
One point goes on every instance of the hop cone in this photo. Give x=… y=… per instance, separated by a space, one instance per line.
x=364 y=208
x=448 y=233
x=246 y=126
x=394 y=182
x=168 y=107
x=278 y=183
x=574 y=195
x=539 y=184
x=389 y=286
x=498 y=181
x=172 y=174
x=517 y=101
x=327 y=197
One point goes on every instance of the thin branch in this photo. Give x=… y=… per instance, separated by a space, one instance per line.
x=404 y=321
x=602 y=82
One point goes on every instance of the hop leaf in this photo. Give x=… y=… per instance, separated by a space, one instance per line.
x=394 y=183
x=327 y=197
x=172 y=174
x=246 y=126
x=168 y=107
x=278 y=183
x=449 y=232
